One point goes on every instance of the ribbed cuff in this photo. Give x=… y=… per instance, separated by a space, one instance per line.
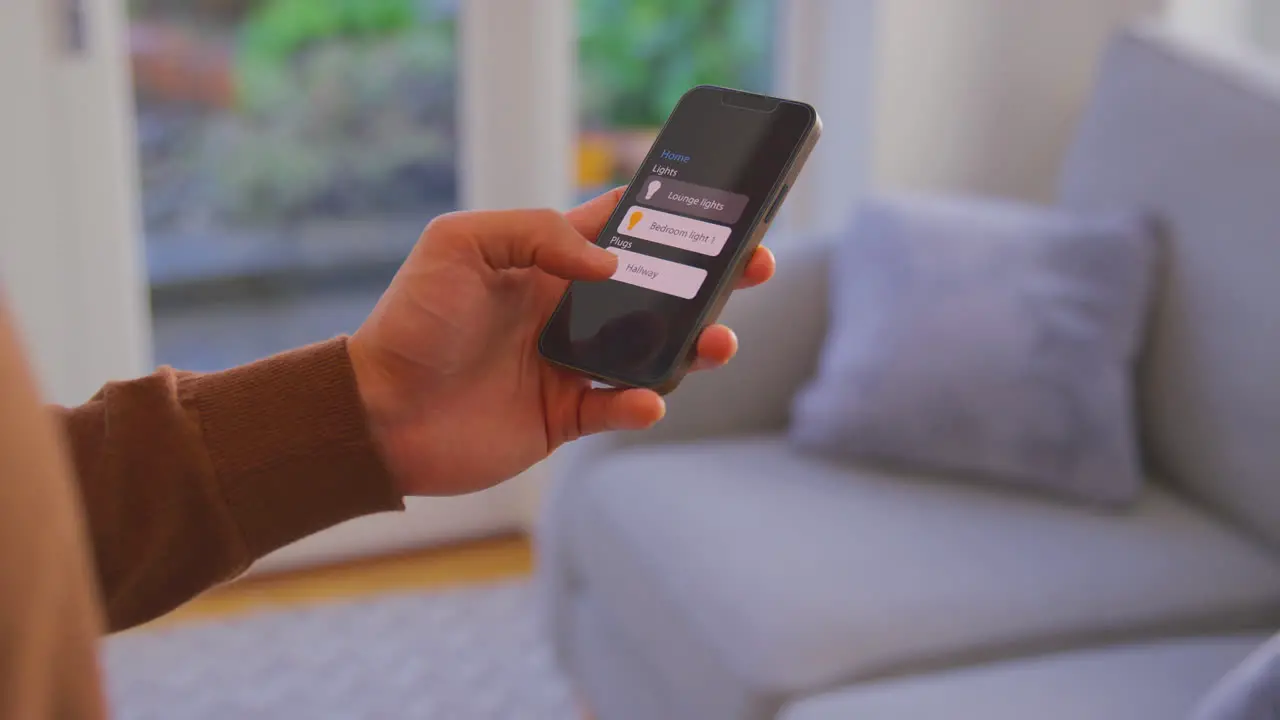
x=290 y=444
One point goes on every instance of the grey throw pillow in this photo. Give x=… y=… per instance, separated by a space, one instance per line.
x=1250 y=691
x=986 y=339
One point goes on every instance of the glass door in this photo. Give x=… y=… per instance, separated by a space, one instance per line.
x=290 y=153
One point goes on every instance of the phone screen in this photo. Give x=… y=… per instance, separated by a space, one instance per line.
x=709 y=178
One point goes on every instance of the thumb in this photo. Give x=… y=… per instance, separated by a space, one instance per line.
x=590 y=217
x=608 y=409
x=544 y=239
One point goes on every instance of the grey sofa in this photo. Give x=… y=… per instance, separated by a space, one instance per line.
x=705 y=570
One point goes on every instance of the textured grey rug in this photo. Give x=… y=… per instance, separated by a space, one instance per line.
x=474 y=653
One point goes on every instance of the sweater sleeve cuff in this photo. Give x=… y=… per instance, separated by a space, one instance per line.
x=290 y=444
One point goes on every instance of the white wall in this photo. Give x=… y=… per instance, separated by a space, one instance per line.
x=1248 y=24
x=982 y=96
x=69 y=250
x=27 y=181
x=1214 y=20
x=1267 y=24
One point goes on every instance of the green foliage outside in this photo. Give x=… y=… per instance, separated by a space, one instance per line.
x=280 y=28
x=347 y=106
x=637 y=57
x=349 y=128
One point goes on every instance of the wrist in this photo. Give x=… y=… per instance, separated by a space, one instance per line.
x=371 y=382
x=381 y=404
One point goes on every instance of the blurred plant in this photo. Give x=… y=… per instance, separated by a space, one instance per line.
x=341 y=110
x=280 y=28
x=208 y=11
x=639 y=56
x=278 y=31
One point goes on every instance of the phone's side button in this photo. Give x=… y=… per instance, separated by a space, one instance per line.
x=777 y=203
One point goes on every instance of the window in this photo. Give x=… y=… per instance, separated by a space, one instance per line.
x=290 y=153
x=635 y=59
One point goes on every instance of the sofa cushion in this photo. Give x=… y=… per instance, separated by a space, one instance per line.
x=1161 y=681
x=985 y=338
x=1193 y=139
x=794 y=573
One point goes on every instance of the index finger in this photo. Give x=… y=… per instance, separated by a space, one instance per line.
x=525 y=238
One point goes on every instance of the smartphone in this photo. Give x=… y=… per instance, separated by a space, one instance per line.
x=683 y=233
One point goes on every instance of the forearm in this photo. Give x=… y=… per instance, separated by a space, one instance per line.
x=187 y=479
x=49 y=623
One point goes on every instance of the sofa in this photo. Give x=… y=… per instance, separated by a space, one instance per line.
x=705 y=569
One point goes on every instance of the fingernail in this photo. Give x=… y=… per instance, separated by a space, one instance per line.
x=662 y=410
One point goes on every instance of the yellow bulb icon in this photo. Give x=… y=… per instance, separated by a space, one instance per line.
x=634 y=220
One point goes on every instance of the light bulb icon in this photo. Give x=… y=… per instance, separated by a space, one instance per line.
x=634 y=220
x=653 y=188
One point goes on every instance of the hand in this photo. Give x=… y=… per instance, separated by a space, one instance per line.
x=447 y=364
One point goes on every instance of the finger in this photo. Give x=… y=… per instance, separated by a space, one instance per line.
x=528 y=238
x=716 y=346
x=633 y=409
x=760 y=268
x=590 y=217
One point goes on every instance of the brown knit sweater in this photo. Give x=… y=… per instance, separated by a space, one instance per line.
x=176 y=482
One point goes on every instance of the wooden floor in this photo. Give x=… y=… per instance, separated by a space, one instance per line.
x=479 y=561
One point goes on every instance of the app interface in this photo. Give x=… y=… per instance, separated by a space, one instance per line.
x=677 y=232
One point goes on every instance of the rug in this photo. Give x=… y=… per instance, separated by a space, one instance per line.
x=474 y=653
